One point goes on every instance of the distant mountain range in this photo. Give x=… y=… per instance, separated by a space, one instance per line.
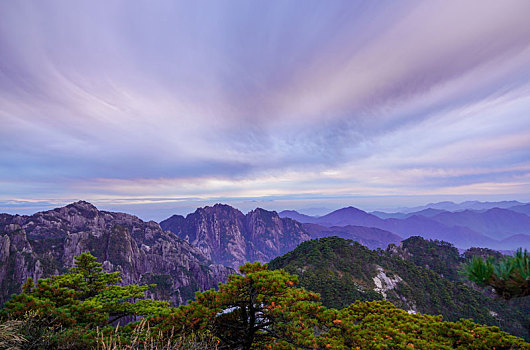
x=524 y=208
x=370 y=237
x=496 y=223
x=496 y=228
x=471 y=205
x=428 y=213
x=181 y=254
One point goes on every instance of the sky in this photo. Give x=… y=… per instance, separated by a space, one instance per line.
x=159 y=107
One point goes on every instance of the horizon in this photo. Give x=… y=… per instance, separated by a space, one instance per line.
x=152 y=108
x=245 y=208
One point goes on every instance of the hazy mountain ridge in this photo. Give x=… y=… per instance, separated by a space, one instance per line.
x=45 y=243
x=467 y=205
x=370 y=237
x=524 y=209
x=497 y=223
x=429 y=212
x=492 y=228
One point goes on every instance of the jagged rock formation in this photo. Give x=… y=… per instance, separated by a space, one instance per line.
x=46 y=243
x=227 y=236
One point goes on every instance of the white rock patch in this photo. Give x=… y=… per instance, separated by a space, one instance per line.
x=384 y=283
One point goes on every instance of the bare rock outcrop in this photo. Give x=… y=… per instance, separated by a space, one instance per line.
x=228 y=237
x=46 y=243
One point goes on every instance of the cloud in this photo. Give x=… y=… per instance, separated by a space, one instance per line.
x=244 y=100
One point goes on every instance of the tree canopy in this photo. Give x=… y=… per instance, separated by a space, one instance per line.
x=252 y=310
x=84 y=298
x=264 y=309
x=509 y=277
x=256 y=309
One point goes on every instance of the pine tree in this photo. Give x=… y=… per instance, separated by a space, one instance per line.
x=253 y=310
x=510 y=277
x=80 y=301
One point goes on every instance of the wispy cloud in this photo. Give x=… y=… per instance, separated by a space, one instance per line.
x=291 y=100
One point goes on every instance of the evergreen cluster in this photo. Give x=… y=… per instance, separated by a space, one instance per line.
x=259 y=308
x=510 y=277
x=343 y=271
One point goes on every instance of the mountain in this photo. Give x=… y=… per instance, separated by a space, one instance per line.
x=429 y=212
x=477 y=205
x=349 y=216
x=45 y=244
x=415 y=225
x=524 y=209
x=227 y=236
x=384 y=215
x=343 y=271
x=468 y=205
x=293 y=214
x=460 y=236
x=438 y=256
x=496 y=223
x=370 y=237
x=520 y=240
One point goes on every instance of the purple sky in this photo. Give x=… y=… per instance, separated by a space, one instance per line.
x=157 y=107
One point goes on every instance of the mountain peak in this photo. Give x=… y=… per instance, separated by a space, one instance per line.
x=347 y=211
x=287 y=212
x=351 y=208
x=82 y=205
x=217 y=208
x=263 y=211
x=230 y=237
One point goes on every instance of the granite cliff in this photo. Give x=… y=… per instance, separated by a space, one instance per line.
x=45 y=244
x=229 y=237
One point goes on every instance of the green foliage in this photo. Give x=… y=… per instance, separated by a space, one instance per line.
x=509 y=277
x=258 y=309
x=263 y=309
x=252 y=310
x=480 y=271
x=342 y=272
x=380 y=325
x=482 y=252
x=66 y=306
x=438 y=256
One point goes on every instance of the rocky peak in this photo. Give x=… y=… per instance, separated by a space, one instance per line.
x=46 y=243
x=229 y=237
x=217 y=231
x=82 y=206
x=220 y=211
x=262 y=214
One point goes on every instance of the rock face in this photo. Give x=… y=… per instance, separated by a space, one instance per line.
x=227 y=236
x=46 y=243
